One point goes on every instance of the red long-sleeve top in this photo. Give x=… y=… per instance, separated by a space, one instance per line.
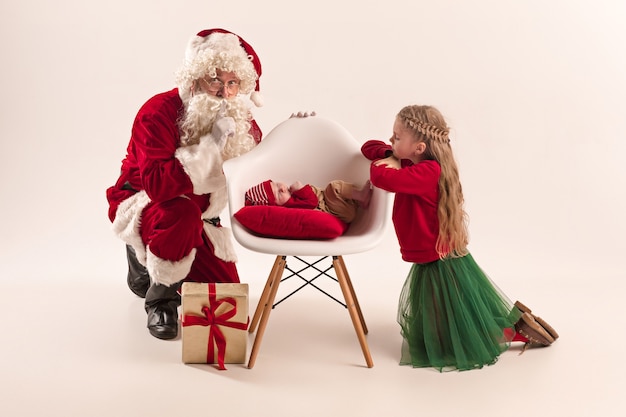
x=416 y=188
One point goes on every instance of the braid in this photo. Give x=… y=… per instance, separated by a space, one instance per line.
x=428 y=130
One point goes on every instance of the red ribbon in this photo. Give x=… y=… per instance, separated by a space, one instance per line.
x=216 y=337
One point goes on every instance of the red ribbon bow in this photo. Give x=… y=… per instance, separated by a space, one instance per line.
x=216 y=337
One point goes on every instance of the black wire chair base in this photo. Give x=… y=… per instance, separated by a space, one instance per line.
x=319 y=270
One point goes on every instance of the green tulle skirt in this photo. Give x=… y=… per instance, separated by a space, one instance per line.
x=452 y=317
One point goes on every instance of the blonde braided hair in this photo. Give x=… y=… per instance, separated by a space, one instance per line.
x=429 y=126
x=429 y=131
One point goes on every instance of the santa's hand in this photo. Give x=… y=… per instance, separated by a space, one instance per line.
x=302 y=114
x=223 y=127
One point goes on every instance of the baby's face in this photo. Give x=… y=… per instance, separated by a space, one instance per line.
x=281 y=192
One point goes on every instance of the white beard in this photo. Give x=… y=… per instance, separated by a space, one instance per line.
x=200 y=114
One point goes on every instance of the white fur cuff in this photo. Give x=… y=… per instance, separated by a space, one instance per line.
x=127 y=222
x=168 y=272
x=203 y=163
x=221 y=238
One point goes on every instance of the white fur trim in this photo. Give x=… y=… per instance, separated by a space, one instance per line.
x=193 y=47
x=203 y=163
x=221 y=238
x=217 y=203
x=217 y=42
x=256 y=98
x=166 y=272
x=128 y=220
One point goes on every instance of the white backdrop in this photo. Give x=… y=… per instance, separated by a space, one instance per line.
x=533 y=90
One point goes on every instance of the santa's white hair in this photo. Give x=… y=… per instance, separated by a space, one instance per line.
x=205 y=55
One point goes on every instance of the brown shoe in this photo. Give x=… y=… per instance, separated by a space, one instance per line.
x=521 y=307
x=528 y=327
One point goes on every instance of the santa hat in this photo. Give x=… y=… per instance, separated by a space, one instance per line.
x=220 y=49
x=261 y=195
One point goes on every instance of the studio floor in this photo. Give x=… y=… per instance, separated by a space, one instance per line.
x=80 y=348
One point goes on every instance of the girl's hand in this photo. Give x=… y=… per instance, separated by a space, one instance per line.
x=389 y=162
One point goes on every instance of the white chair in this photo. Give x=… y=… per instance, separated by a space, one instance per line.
x=313 y=150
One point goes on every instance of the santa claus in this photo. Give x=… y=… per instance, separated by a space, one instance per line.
x=167 y=200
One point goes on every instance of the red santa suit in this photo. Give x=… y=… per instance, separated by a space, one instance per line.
x=167 y=200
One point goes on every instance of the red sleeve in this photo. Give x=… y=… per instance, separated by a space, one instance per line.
x=156 y=137
x=376 y=149
x=416 y=179
x=305 y=197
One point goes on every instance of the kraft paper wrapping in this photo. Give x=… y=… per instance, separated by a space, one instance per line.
x=195 y=338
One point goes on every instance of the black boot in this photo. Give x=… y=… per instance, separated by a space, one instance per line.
x=162 y=307
x=138 y=279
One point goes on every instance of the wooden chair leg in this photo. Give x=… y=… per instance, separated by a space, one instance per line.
x=264 y=296
x=353 y=308
x=265 y=305
x=354 y=297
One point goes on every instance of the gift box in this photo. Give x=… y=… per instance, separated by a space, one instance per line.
x=214 y=323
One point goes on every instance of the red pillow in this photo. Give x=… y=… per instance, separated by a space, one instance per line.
x=290 y=223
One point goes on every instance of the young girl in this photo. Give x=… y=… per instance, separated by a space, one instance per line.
x=452 y=317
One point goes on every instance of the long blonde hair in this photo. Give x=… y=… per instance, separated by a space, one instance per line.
x=429 y=126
